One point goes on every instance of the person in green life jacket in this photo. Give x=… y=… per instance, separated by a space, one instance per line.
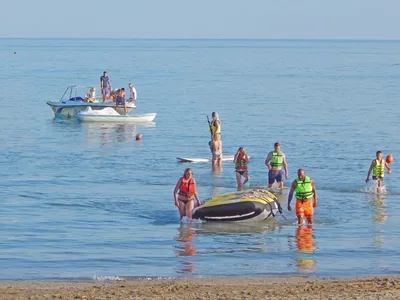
x=377 y=167
x=277 y=166
x=306 y=197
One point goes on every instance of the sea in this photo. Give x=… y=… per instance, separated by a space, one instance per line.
x=87 y=201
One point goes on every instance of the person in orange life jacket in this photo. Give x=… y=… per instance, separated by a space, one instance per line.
x=216 y=149
x=306 y=197
x=378 y=166
x=275 y=160
x=241 y=160
x=184 y=193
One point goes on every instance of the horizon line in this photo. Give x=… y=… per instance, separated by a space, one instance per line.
x=231 y=39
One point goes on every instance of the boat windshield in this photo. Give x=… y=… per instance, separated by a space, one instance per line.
x=79 y=93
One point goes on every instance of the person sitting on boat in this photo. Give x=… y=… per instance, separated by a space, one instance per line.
x=241 y=160
x=216 y=149
x=184 y=193
x=114 y=94
x=132 y=93
x=120 y=100
x=91 y=95
x=105 y=85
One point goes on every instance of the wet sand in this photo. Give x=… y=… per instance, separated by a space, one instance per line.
x=209 y=288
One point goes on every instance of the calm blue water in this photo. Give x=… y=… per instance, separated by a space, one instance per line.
x=83 y=201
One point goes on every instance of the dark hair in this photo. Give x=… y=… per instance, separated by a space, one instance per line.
x=277 y=144
x=378 y=152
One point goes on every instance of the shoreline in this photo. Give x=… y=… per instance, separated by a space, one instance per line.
x=376 y=287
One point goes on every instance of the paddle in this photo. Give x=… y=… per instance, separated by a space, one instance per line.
x=209 y=126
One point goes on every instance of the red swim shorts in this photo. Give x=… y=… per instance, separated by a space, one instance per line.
x=304 y=208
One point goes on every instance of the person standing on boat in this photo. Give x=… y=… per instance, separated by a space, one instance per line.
x=120 y=100
x=306 y=197
x=216 y=150
x=241 y=160
x=184 y=194
x=105 y=85
x=378 y=166
x=275 y=161
x=132 y=93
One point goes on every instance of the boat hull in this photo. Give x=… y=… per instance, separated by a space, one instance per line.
x=252 y=206
x=144 y=118
x=70 y=109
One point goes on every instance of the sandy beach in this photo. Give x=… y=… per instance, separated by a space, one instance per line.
x=209 y=288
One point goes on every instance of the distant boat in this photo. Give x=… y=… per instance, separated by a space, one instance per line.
x=108 y=114
x=77 y=98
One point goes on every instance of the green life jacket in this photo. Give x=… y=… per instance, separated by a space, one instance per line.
x=276 y=161
x=241 y=163
x=379 y=168
x=304 y=189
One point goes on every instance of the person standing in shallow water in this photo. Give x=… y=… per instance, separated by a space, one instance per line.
x=241 y=160
x=277 y=166
x=378 y=166
x=306 y=197
x=215 y=128
x=215 y=124
x=184 y=194
x=216 y=150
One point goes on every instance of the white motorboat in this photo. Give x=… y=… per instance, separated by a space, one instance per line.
x=108 y=114
x=77 y=98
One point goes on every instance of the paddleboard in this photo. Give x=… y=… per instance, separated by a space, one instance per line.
x=202 y=160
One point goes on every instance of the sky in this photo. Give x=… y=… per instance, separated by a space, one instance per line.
x=201 y=19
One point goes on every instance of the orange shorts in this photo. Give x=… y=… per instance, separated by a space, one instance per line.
x=304 y=208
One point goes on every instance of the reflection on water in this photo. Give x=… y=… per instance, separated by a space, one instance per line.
x=379 y=217
x=217 y=179
x=306 y=246
x=225 y=238
x=217 y=170
x=105 y=133
x=185 y=248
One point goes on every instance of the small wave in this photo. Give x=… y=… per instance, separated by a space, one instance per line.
x=186 y=220
x=107 y=278
x=373 y=189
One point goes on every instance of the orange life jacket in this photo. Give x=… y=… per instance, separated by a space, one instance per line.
x=187 y=187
